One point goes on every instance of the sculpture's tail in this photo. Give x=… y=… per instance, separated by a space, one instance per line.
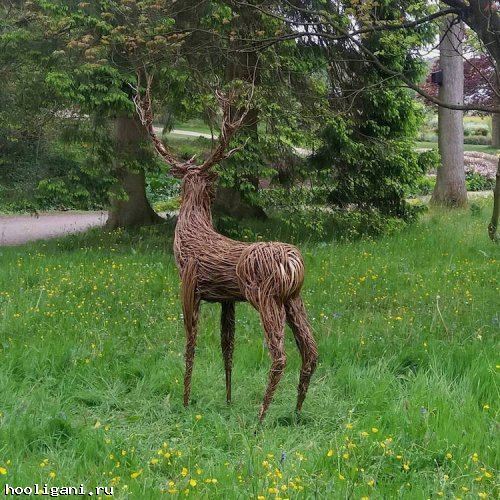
x=270 y=270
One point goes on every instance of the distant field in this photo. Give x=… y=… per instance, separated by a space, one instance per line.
x=467 y=147
x=404 y=403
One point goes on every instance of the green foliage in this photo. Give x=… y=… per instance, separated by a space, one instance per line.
x=476 y=129
x=369 y=174
x=477 y=182
x=477 y=140
x=424 y=186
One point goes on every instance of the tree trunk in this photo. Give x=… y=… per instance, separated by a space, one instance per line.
x=495 y=130
x=230 y=200
x=129 y=204
x=450 y=187
x=493 y=225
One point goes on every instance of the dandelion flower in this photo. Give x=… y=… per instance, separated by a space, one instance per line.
x=192 y=482
x=184 y=472
x=135 y=475
x=449 y=456
x=330 y=453
x=3 y=471
x=374 y=430
x=406 y=466
x=198 y=417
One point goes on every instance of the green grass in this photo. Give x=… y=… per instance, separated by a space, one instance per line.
x=405 y=395
x=194 y=125
x=467 y=147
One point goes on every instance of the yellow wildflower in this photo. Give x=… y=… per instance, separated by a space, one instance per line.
x=184 y=472
x=3 y=471
x=449 y=456
x=406 y=466
x=198 y=417
x=374 y=430
x=52 y=474
x=330 y=453
x=135 y=475
x=192 y=482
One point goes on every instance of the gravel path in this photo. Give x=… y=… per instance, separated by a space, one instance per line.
x=19 y=229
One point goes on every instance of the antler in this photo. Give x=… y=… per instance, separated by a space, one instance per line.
x=229 y=127
x=145 y=112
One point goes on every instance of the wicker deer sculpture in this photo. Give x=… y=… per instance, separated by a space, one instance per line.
x=215 y=268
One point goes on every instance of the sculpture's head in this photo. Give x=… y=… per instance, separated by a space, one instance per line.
x=195 y=180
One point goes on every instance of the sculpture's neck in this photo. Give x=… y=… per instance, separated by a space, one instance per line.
x=195 y=207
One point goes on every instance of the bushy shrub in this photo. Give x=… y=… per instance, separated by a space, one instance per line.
x=476 y=129
x=478 y=182
x=367 y=174
x=424 y=186
x=477 y=140
x=169 y=205
x=53 y=175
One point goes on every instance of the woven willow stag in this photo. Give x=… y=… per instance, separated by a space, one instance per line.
x=215 y=268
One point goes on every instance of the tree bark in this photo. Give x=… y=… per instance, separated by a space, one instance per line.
x=495 y=130
x=450 y=187
x=493 y=225
x=129 y=204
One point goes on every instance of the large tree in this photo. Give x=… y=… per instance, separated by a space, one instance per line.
x=335 y=20
x=480 y=86
x=97 y=49
x=450 y=189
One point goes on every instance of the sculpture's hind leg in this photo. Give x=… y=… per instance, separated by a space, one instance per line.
x=190 y=308
x=272 y=315
x=296 y=317
x=227 y=342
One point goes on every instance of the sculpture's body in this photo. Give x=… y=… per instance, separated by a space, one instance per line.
x=217 y=269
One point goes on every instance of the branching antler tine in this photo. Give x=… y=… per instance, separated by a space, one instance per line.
x=144 y=110
x=228 y=129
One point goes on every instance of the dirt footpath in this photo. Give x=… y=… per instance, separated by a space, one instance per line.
x=19 y=229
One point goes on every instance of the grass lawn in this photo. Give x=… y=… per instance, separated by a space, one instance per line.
x=467 y=147
x=403 y=403
x=194 y=125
